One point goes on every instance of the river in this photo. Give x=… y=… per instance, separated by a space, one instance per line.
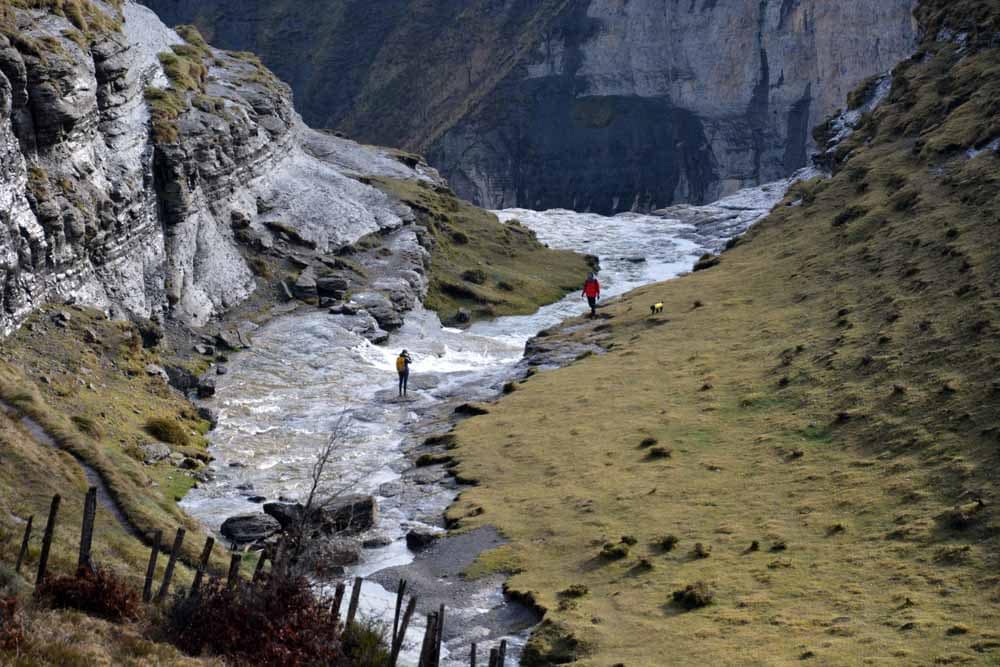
x=307 y=377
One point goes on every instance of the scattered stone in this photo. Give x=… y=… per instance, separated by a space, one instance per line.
x=780 y=545
x=418 y=540
x=206 y=388
x=376 y=540
x=154 y=452
x=305 y=286
x=221 y=370
x=707 y=261
x=152 y=370
x=463 y=316
x=189 y=464
x=754 y=546
x=257 y=499
x=656 y=453
x=957 y=629
x=250 y=528
x=209 y=415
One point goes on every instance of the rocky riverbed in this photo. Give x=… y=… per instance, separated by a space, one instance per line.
x=313 y=375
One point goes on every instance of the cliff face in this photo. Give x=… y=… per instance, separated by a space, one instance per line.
x=120 y=188
x=587 y=104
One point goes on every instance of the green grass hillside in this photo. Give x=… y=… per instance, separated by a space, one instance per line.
x=481 y=265
x=821 y=413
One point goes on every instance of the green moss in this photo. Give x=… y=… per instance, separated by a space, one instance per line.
x=463 y=236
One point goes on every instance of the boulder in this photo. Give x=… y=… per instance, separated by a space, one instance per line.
x=250 y=528
x=333 y=287
x=463 y=316
x=418 y=540
x=152 y=370
x=381 y=308
x=154 y=452
x=326 y=557
x=206 y=388
x=305 y=287
x=346 y=514
x=286 y=514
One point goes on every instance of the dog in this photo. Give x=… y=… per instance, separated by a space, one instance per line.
x=656 y=309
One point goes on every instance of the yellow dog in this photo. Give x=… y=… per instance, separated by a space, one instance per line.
x=656 y=309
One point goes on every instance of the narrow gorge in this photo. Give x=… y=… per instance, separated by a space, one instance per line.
x=773 y=441
x=585 y=104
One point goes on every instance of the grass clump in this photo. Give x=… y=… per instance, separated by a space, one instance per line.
x=615 y=551
x=168 y=430
x=668 y=542
x=694 y=596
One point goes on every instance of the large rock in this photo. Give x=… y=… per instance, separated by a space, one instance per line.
x=250 y=528
x=355 y=513
x=381 y=308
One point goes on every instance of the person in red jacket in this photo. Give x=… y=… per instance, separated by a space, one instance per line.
x=592 y=291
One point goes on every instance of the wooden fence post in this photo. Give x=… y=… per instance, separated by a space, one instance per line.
x=472 y=655
x=169 y=574
x=338 y=600
x=50 y=528
x=87 y=530
x=235 y=561
x=425 y=648
x=23 y=553
x=502 y=653
x=397 y=644
x=439 y=637
x=399 y=607
x=199 y=574
x=494 y=657
x=147 y=589
x=258 y=571
x=352 y=609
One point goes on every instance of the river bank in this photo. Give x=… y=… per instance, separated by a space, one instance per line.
x=307 y=373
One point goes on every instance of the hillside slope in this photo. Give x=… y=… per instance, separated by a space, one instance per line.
x=820 y=412
x=581 y=104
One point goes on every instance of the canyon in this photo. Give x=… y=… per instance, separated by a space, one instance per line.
x=588 y=105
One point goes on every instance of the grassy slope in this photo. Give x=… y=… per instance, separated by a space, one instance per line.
x=889 y=319
x=96 y=403
x=519 y=274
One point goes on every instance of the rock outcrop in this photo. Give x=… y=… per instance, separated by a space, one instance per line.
x=588 y=104
x=146 y=173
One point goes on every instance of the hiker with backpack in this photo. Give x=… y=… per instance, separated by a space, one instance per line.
x=592 y=292
x=403 y=362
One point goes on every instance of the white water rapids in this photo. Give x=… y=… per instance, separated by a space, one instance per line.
x=279 y=401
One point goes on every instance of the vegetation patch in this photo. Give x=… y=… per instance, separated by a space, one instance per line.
x=96 y=592
x=515 y=274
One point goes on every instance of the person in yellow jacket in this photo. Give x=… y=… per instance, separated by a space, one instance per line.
x=403 y=362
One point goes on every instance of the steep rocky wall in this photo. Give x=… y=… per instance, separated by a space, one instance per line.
x=606 y=105
x=99 y=205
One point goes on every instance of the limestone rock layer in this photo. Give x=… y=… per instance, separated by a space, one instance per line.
x=604 y=105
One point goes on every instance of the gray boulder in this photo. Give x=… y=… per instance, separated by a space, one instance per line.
x=356 y=513
x=250 y=528
x=154 y=452
x=381 y=308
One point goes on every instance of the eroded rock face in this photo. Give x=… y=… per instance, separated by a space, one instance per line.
x=603 y=105
x=96 y=208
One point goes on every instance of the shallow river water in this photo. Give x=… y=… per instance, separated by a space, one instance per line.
x=307 y=377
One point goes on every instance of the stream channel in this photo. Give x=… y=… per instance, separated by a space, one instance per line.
x=306 y=376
